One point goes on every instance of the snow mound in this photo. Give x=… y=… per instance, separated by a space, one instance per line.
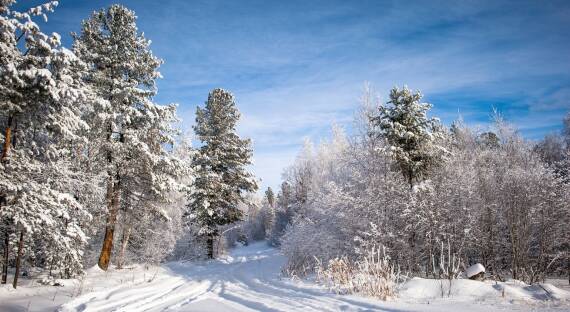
x=474 y=270
x=94 y=270
x=420 y=289
x=555 y=292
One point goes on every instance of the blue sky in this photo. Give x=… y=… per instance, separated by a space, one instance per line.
x=296 y=67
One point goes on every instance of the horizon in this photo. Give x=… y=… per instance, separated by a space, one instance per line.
x=297 y=68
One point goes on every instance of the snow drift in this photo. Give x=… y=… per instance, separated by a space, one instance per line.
x=249 y=279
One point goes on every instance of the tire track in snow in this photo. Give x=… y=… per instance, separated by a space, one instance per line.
x=246 y=280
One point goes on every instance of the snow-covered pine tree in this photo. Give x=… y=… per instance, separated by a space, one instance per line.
x=412 y=137
x=222 y=180
x=413 y=141
x=269 y=202
x=41 y=89
x=149 y=179
x=128 y=130
x=566 y=130
x=270 y=196
x=283 y=214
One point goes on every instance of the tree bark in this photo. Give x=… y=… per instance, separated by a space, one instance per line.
x=210 y=246
x=6 y=256
x=19 y=258
x=113 y=194
x=124 y=243
x=7 y=139
x=5 y=150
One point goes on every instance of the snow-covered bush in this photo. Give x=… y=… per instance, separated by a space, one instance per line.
x=322 y=233
x=371 y=275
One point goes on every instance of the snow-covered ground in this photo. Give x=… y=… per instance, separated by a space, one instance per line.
x=249 y=279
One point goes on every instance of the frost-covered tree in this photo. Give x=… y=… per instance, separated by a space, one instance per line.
x=254 y=227
x=185 y=236
x=412 y=137
x=129 y=132
x=552 y=151
x=269 y=210
x=270 y=196
x=566 y=130
x=491 y=200
x=283 y=215
x=489 y=139
x=41 y=89
x=222 y=180
x=149 y=180
x=522 y=208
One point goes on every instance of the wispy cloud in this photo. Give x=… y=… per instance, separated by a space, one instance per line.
x=298 y=66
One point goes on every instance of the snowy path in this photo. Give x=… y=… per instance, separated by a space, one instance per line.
x=247 y=280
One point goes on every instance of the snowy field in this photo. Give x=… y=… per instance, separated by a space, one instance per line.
x=249 y=279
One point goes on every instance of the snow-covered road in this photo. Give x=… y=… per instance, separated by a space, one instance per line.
x=249 y=279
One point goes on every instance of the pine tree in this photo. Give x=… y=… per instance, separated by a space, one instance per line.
x=283 y=215
x=150 y=177
x=489 y=139
x=127 y=129
x=270 y=197
x=412 y=137
x=222 y=180
x=566 y=130
x=268 y=208
x=41 y=89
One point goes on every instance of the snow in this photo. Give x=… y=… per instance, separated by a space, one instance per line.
x=249 y=279
x=496 y=293
x=474 y=270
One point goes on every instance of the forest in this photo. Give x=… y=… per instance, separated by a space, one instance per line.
x=94 y=172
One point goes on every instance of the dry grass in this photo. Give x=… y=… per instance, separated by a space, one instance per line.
x=373 y=275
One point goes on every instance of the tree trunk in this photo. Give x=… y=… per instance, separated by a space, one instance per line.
x=210 y=246
x=6 y=256
x=7 y=139
x=5 y=150
x=413 y=249
x=19 y=258
x=113 y=207
x=124 y=243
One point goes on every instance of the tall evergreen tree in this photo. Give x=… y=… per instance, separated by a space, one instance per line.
x=566 y=131
x=128 y=130
x=270 y=197
x=222 y=180
x=40 y=89
x=412 y=137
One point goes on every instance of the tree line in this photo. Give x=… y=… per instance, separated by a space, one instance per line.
x=425 y=194
x=92 y=169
